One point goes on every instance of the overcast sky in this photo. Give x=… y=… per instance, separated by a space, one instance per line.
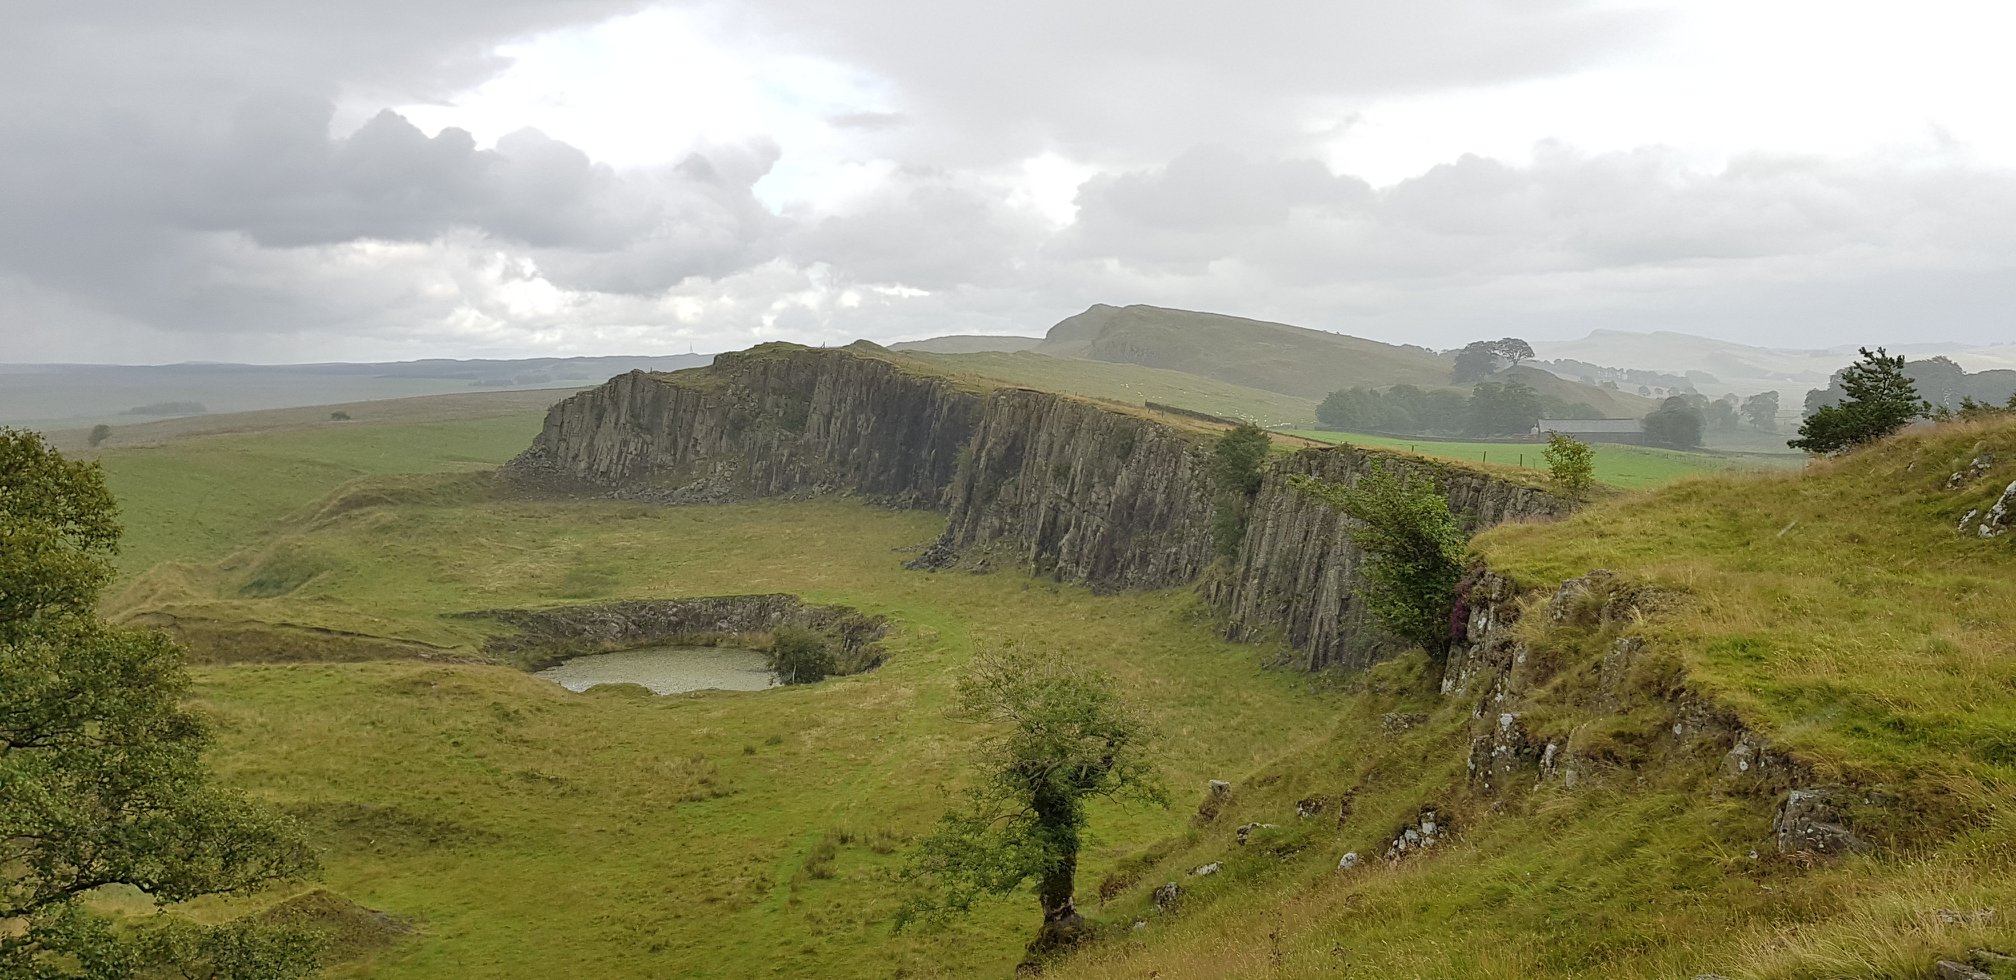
x=281 y=180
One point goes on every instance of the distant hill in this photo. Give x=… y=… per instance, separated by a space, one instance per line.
x=967 y=343
x=1281 y=358
x=62 y=396
x=1745 y=369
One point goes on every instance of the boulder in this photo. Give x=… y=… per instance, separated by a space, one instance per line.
x=1810 y=821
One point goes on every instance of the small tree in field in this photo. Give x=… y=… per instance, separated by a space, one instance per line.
x=1572 y=464
x=1059 y=736
x=102 y=780
x=99 y=433
x=1881 y=400
x=1413 y=550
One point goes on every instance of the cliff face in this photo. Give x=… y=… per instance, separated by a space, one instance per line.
x=1071 y=489
x=1296 y=574
x=764 y=422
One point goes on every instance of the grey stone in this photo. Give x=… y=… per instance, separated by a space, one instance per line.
x=1348 y=861
x=1167 y=895
x=1247 y=830
x=1208 y=869
x=1949 y=970
x=1219 y=787
x=1810 y=821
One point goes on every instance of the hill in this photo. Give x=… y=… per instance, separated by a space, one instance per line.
x=64 y=396
x=1282 y=358
x=1743 y=368
x=968 y=344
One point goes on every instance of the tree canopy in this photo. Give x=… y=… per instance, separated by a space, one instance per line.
x=1675 y=424
x=1881 y=399
x=1414 y=548
x=101 y=775
x=1058 y=736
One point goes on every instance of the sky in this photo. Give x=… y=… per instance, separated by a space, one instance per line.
x=281 y=181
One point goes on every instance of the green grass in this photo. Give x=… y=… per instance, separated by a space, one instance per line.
x=198 y=498
x=527 y=831
x=1629 y=467
x=1836 y=607
x=1129 y=383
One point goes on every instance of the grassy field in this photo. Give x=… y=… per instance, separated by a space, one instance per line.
x=196 y=489
x=1128 y=383
x=525 y=831
x=1629 y=467
x=532 y=832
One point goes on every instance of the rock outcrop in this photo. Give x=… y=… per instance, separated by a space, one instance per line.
x=1085 y=492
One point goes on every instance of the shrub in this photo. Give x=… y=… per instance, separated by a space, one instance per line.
x=1880 y=401
x=1572 y=464
x=99 y=433
x=799 y=655
x=339 y=416
x=1235 y=473
x=1413 y=550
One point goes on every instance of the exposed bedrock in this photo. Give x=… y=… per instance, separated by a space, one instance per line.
x=1082 y=491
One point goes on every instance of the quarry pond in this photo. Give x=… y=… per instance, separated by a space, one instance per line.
x=667 y=670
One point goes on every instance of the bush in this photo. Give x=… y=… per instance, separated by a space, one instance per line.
x=799 y=655
x=339 y=416
x=1235 y=473
x=99 y=433
x=1674 y=424
x=1572 y=463
x=1413 y=550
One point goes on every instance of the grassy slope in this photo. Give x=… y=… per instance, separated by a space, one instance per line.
x=533 y=832
x=1839 y=607
x=194 y=490
x=1630 y=467
x=1129 y=383
x=1866 y=638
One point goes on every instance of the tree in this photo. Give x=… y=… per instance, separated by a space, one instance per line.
x=339 y=416
x=1059 y=736
x=101 y=775
x=1572 y=463
x=1674 y=424
x=799 y=656
x=1880 y=400
x=99 y=433
x=1475 y=362
x=1347 y=410
x=1511 y=408
x=1413 y=546
x=1762 y=411
x=1512 y=349
x=1235 y=474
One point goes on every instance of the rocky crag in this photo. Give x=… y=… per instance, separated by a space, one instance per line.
x=1098 y=494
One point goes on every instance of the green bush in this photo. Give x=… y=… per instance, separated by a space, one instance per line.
x=799 y=655
x=1413 y=546
x=1572 y=463
x=1235 y=474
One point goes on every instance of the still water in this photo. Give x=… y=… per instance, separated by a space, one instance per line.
x=667 y=670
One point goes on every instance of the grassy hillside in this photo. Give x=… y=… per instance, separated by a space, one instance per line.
x=1281 y=358
x=1629 y=467
x=1128 y=383
x=1836 y=611
x=196 y=489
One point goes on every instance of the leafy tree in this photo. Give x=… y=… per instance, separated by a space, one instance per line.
x=1674 y=424
x=1413 y=550
x=101 y=775
x=1513 y=350
x=1475 y=362
x=799 y=655
x=1059 y=736
x=1572 y=463
x=1511 y=408
x=339 y=416
x=1880 y=400
x=1762 y=411
x=1235 y=475
x=1348 y=410
x=99 y=433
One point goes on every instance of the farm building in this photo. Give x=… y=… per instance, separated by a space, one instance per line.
x=1629 y=431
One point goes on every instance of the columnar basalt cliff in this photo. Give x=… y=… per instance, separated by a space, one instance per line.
x=1078 y=490
x=1296 y=573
